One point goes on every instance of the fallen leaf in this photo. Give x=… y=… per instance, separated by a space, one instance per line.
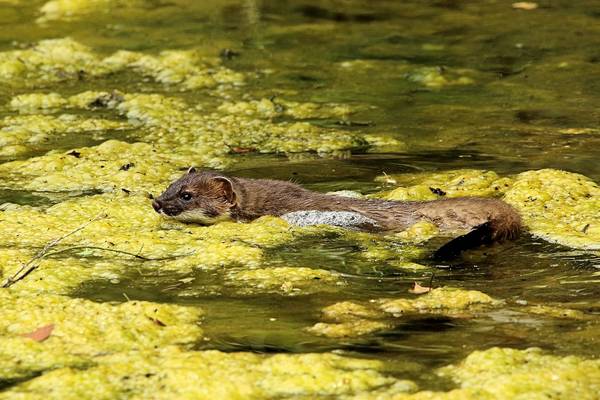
x=242 y=150
x=418 y=289
x=525 y=5
x=40 y=334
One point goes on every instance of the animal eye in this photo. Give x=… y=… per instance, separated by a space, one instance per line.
x=185 y=196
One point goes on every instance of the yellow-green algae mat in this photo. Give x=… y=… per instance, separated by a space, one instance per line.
x=103 y=236
x=354 y=319
x=144 y=350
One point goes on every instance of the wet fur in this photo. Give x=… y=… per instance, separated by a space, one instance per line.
x=216 y=197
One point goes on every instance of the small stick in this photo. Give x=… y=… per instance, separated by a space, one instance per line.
x=29 y=267
x=117 y=251
x=431 y=280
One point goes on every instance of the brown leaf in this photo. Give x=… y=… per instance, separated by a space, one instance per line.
x=40 y=334
x=242 y=150
x=418 y=289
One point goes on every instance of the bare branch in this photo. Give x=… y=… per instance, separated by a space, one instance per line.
x=31 y=265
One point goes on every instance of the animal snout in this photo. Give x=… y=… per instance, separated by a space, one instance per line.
x=156 y=205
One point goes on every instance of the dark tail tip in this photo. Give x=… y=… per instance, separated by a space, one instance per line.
x=481 y=234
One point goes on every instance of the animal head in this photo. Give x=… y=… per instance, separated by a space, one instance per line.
x=202 y=197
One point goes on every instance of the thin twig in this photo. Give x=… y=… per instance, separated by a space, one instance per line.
x=431 y=280
x=117 y=251
x=30 y=266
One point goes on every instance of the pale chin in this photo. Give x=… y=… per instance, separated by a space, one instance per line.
x=199 y=217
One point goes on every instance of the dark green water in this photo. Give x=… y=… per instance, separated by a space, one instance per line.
x=535 y=73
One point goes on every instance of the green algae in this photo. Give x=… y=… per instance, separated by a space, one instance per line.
x=291 y=281
x=170 y=372
x=172 y=126
x=271 y=108
x=511 y=373
x=445 y=300
x=84 y=330
x=123 y=232
x=97 y=168
x=418 y=232
x=56 y=60
x=430 y=77
x=557 y=312
x=457 y=183
x=558 y=206
x=353 y=319
x=504 y=373
x=21 y=134
x=440 y=77
x=447 y=92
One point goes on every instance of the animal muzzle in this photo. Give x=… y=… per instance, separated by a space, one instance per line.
x=162 y=209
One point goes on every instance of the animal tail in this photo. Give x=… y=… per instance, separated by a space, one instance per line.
x=492 y=221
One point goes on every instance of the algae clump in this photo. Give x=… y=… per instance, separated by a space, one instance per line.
x=169 y=373
x=63 y=59
x=453 y=183
x=500 y=373
x=505 y=373
x=558 y=206
x=83 y=330
x=355 y=319
x=21 y=134
x=291 y=281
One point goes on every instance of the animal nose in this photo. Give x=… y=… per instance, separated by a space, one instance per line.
x=156 y=205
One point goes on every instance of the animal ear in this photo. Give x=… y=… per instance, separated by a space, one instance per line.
x=191 y=170
x=225 y=189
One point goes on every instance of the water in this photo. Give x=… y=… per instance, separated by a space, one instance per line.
x=535 y=73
